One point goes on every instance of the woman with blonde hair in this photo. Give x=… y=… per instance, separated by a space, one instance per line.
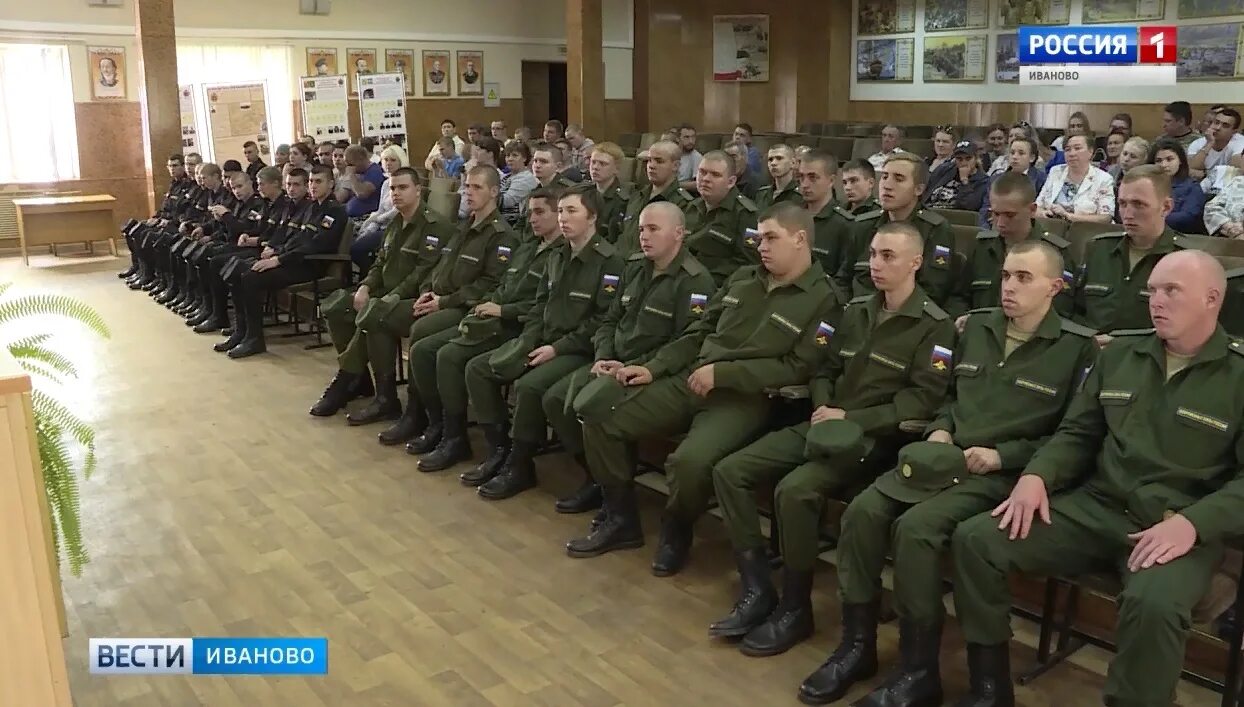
x=392 y=158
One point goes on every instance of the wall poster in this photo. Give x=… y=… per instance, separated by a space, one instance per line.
x=954 y=58
x=107 y=72
x=470 y=73
x=382 y=104
x=885 y=17
x=236 y=114
x=740 y=47
x=325 y=108
x=436 y=70
x=884 y=59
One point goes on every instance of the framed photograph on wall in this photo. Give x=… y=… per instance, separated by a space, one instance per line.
x=321 y=61
x=741 y=48
x=436 y=70
x=885 y=17
x=1006 y=59
x=1013 y=13
x=359 y=62
x=943 y=15
x=107 y=72
x=954 y=58
x=1188 y=9
x=1211 y=52
x=884 y=60
x=402 y=61
x=1099 y=11
x=470 y=73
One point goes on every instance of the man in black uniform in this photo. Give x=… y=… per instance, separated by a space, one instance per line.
x=168 y=251
x=182 y=256
x=134 y=231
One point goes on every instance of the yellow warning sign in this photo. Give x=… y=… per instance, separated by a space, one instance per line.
x=492 y=95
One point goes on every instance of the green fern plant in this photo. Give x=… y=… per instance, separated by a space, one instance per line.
x=56 y=426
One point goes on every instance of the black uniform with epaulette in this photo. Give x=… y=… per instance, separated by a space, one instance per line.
x=247 y=218
x=723 y=238
x=1111 y=291
x=135 y=231
x=154 y=243
x=936 y=273
x=191 y=254
x=980 y=283
x=176 y=249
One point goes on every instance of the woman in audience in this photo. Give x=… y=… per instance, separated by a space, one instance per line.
x=1114 y=145
x=392 y=158
x=1077 y=124
x=518 y=183
x=943 y=148
x=1019 y=131
x=1186 y=214
x=1022 y=158
x=1077 y=191
x=1134 y=152
x=960 y=184
x=300 y=156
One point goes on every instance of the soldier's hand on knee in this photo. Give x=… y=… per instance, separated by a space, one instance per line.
x=488 y=309
x=982 y=460
x=941 y=437
x=1028 y=498
x=824 y=413
x=361 y=295
x=701 y=380
x=605 y=368
x=633 y=375
x=1162 y=543
x=543 y=354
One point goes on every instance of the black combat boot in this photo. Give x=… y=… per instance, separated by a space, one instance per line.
x=336 y=395
x=454 y=446
x=757 y=596
x=789 y=624
x=237 y=332
x=515 y=476
x=673 y=546
x=585 y=498
x=408 y=426
x=620 y=528
x=989 y=674
x=431 y=435
x=252 y=312
x=918 y=680
x=498 y=438
x=853 y=660
x=385 y=406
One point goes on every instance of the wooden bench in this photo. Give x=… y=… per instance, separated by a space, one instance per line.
x=52 y=220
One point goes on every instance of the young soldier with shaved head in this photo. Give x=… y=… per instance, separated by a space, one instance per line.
x=662 y=172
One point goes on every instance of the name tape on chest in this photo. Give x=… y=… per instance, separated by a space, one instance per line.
x=659 y=312
x=966 y=368
x=1202 y=418
x=1036 y=387
x=887 y=361
x=719 y=235
x=785 y=323
x=729 y=300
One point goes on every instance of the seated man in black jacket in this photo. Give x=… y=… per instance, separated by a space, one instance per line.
x=957 y=184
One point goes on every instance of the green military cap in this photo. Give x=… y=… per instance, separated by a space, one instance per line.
x=835 y=439
x=376 y=311
x=924 y=469
x=596 y=399
x=475 y=328
x=338 y=302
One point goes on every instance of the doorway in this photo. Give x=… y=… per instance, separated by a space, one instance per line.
x=544 y=93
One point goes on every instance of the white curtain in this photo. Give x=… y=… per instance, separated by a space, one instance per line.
x=200 y=64
x=38 y=133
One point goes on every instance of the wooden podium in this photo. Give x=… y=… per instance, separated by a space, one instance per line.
x=32 y=611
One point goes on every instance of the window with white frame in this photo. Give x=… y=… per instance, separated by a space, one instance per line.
x=38 y=132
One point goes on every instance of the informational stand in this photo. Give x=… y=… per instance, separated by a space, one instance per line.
x=325 y=108
x=382 y=104
x=189 y=125
x=236 y=114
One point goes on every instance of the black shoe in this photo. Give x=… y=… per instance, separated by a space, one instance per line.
x=385 y=406
x=989 y=673
x=917 y=682
x=618 y=530
x=248 y=347
x=757 y=596
x=789 y=624
x=585 y=498
x=431 y=435
x=673 y=547
x=167 y=297
x=128 y=272
x=515 y=476
x=407 y=427
x=455 y=446
x=234 y=339
x=207 y=324
x=854 y=659
x=497 y=437
x=336 y=395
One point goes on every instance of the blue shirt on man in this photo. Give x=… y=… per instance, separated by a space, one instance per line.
x=356 y=206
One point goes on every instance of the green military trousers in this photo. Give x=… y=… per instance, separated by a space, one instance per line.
x=486 y=388
x=716 y=426
x=560 y=413
x=441 y=326
x=1087 y=533
x=920 y=532
x=438 y=369
x=800 y=489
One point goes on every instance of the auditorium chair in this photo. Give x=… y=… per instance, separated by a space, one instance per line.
x=707 y=142
x=920 y=132
x=840 y=147
x=864 y=147
x=802 y=140
x=338 y=272
x=959 y=216
x=626 y=170
x=918 y=146
x=442 y=184
x=445 y=204
x=1080 y=233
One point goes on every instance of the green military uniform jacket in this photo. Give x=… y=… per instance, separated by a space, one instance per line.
x=407 y=254
x=614 y=200
x=724 y=239
x=768 y=195
x=628 y=240
x=883 y=374
x=572 y=298
x=936 y=274
x=832 y=243
x=1013 y=404
x=866 y=206
x=980 y=283
x=757 y=338
x=654 y=308
x=1154 y=446
x=1109 y=294
x=471 y=264
x=516 y=292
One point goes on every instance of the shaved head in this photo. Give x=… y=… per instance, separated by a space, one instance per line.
x=1051 y=259
x=1186 y=292
x=664 y=210
x=670 y=150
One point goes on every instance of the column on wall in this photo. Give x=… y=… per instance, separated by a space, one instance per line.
x=156 y=38
x=585 y=66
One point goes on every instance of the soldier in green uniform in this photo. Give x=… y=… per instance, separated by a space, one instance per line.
x=888 y=362
x=1013 y=202
x=614 y=194
x=438 y=362
x=547 y=162
x=758 y=333
x=785 y=184
x=859 y=179
x=1145 y=472
x=1016 y=369
x=581 y=280
x=833 y=222
x=721 y=223
x=665 y=291
x=412 y=243
x=662 y=172
x=903 y=179
x=1111 y=292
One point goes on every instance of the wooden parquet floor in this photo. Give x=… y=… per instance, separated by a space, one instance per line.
x=221 y=508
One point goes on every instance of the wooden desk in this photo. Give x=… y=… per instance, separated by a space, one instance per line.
x=50 y=220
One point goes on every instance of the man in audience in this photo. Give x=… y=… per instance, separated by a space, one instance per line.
x=758 y=333
x=1207 y=120
x=174 y=200
x=281 y=155
x=745 y=180
x=1207 y=154
x=448 y=163
x=689 y=162
x=324 y=155
x=743 y=133
x=784 y=184
x=154 y=246
x=1156 y=500
x=192 y=229
x=497 y=128
x=614 y=194
x=553 y=131
x=665 y=290
x=547 y=162
x=364 y=181
x=859 y=179
x=244 y=220
x=367 y=325
x=888 y=361
x=662 y=172
x=485 y=152
x=519 y=183
x=475 y=131
x=580 y=147
x=833 y=223
x=569 y=169
x=254 y=163
x=891 y=138
x=287 y=264
x=722 y=222
x=1111 y=293
x=582 y=279
x=1013 y=204
x=1177 y=123
x=903 y=178
x=1121 y=121
x=1224 y=216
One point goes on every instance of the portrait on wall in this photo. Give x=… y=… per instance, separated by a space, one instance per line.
x=359 y=62
x=107 y=72
x=436 y=70
x=402 y=61
x=740 y=47
x=470 y=73
x=321 y=61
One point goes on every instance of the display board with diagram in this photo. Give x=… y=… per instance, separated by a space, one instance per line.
x=236 y=114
